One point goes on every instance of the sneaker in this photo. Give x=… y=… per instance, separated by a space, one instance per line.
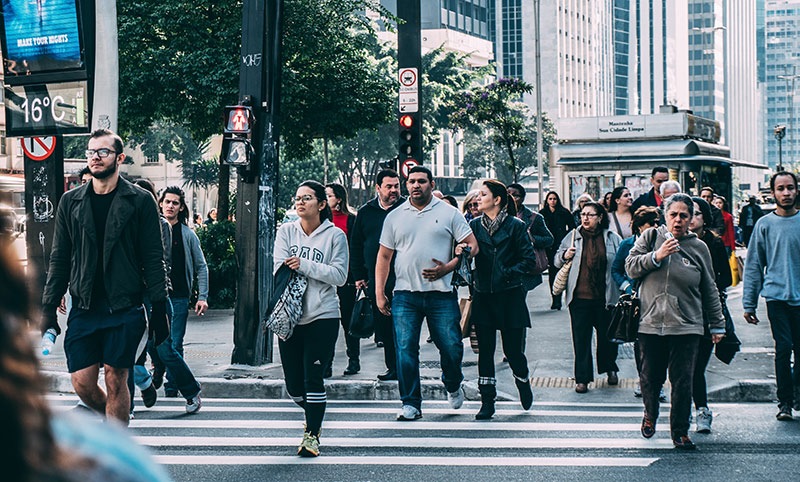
x=613 y=378
x=648 y=428
x=158 y=378
x=784 y=413
x=456 y=398
x=683 y=443
x=409 y=413
x=193 y=404
x=149 y=396
x=637 y=392
x=662 y=397
x=309 y=447
x=704 y=419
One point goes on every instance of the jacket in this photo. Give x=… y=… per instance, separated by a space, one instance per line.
x=133 y=254
x=717 y=221
x=195 y=262
x=646 y=199
x=612 y=241
x=365 y=240
x=625 y=283
x=678 y=291
x=503 y=259
x=750 y=210
x=719 y=260
x=559 y=223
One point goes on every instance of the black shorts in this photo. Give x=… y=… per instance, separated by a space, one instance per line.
x=97 y=336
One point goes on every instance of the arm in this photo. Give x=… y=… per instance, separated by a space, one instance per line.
x=357 y=264
x=335 y=271
x=525 y=260
x=710 y=294
x=754 y=272
x=618 y=267
x=151 y=250
x=539 y=234
x=59 y=270
x=280 y=251
x=382 y=265
x=641 y=260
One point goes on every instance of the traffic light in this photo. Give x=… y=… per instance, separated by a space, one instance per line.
x=406 y=135
x=238 y=119
x=237 y=149
x=410 y=146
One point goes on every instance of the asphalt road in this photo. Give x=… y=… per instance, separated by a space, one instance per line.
x=563 y=437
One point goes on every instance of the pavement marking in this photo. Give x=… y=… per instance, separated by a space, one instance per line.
x=411 y=460
x=417 y=442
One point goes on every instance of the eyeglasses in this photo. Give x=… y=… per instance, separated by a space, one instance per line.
x=589 y=215
x=305 y=198
x=102 y=153
x=473 y=205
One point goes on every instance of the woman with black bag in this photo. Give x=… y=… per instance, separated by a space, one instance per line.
x=498 y=302
x=313 y=247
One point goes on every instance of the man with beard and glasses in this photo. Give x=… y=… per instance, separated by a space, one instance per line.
x=772 y=270
x=107 y=248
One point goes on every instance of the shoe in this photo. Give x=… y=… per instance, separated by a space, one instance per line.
x=132 y=416
x=429 y=340
x=581 y=388
x=193 y=404
x=456 y=398
x=637 y=392
x=525 y=393
x=488 y=395
x=353 y=367
x=662 y=397
x=683 y=443
x=784 y=413
x=171 y=393
x=555 y=306
x=379 y=344
x=648 y=428
x=704 y=419
x=613 y=378
x=388 y=375
x=309 y=447
x=158 y=378
x=409 y=413
x=149 y=396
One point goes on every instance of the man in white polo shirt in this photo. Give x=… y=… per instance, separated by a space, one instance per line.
x=421 y=233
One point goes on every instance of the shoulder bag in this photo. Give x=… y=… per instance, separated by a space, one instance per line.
x=541 y=254
x=560 y=283
x=288 y=308
x=362 y=322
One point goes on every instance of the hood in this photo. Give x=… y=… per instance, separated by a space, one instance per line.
x=325 y=226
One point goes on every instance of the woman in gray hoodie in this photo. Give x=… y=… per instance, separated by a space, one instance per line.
x=312 y=246
x=676 y=288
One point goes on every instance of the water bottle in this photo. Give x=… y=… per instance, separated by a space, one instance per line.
x=48 y=340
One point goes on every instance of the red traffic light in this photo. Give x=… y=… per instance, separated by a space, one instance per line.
x=406 y=121
x=238 y=119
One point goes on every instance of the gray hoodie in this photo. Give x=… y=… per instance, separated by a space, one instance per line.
x=675 y=293
x=323 y=259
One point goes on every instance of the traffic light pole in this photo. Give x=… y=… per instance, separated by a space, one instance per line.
x=259 y=85
x=409 y=62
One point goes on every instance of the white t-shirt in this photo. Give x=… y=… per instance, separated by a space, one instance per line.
x=418 y=236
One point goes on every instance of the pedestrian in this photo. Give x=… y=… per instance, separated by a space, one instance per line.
x=198 y=221
x=524 y=214
x=722 y=278
x=188 y=263
x=676 y=288
x=729 y=239
x=620 y=214
x=451 y=201
x=344 y=218
x=607 y=201
x=538 y=234
x=580 y=202
x=653 y=198
x=364 y=254
x=748 y=217
x=718 y=223
x=85 y=175
x=771 y=270
x=108 y=280
x=313 y=247
x=498 y=301
x=420 y=235
x=211 y=217
x=559 y=222
x=470 y=206
x=591 y=292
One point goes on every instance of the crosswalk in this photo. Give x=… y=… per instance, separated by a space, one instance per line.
x=360 y=433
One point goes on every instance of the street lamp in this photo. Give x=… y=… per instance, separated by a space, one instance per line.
x=708 y=55
x=780 y=132
x=790 y=99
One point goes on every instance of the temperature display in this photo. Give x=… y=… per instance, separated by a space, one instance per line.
x=47 y=109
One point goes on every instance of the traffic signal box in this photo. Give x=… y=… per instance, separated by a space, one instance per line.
x=237 y=150
x=410 y=145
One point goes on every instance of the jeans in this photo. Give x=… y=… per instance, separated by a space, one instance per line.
x=441 y=310
x=177 y=330
x=784 y=319
x=586 y=315
x=180 y=376
x=512 y=348
x=699 y=389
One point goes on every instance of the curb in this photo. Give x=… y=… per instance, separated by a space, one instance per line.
x=747 y=390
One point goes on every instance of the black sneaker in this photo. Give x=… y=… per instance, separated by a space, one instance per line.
x=149 y=396
x=683 y=443
x=648 y=428
x=784 y=413
x=158 y=378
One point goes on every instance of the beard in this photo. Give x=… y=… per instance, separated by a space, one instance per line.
x=104 y=173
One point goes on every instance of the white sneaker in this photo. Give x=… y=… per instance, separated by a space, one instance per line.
x=193 y=404
x=409 y=413
x=456 y=398
x=704 y=419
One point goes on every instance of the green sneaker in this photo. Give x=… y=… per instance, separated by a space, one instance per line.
x=309 y=447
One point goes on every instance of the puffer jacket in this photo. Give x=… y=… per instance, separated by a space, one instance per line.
x=612 y=241
x=503 y=259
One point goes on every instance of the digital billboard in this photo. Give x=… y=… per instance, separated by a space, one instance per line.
x=47 y=109
x=41 y=36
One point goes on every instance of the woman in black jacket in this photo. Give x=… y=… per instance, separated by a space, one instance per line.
x=559 y=222
x=498 y=301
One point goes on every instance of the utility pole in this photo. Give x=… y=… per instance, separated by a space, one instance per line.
x=259 y=86
x=409 y=62
x=539 y=148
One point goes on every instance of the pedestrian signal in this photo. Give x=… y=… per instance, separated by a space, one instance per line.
x=238 y=119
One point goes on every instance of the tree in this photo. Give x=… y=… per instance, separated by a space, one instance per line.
x=492 y=108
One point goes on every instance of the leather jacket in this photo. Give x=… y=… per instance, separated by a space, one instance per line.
x=503 y=259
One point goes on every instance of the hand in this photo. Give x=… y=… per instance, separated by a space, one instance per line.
x=201 y=307
x=717 y=337
x=751 y=318
x=460 y=248
x=49 y=320
x=62 y=308
x=432 y=274
x=670 y=246
x=382 y=302
x=159 y=322
x=569 y=254
x=629 y=290
x=293 y=262
x=361 y=284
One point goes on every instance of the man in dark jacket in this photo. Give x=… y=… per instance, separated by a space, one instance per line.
x=717 y=221
x=653 y=196
x=107 y=248
x=364 y=244
x=751 y=213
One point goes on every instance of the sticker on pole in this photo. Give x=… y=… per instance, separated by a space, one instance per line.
x=407 y=166
x=409 y=90
x=38 y=148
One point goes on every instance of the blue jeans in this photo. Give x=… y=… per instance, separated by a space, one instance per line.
x=180 y=313
x=179 y=376
x=441 y=310
x=784 y=319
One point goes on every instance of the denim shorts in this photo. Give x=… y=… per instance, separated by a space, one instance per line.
x=98 y=335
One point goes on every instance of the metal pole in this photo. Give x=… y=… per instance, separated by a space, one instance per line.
x=539 y=146
x=105 y=108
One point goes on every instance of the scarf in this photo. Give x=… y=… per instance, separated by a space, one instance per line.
x=592 y=277
x=492 y=225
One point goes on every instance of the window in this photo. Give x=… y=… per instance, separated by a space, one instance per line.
x=151 y=159
x=3 y=142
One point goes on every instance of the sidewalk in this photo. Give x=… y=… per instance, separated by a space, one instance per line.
x=208 y=346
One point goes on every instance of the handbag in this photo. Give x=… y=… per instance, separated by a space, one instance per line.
x=288 y=308
x=624 y=326
x=726 y=349
x=541 y=261
x=560 y=283
x=362 y=321
x=465 y=305
x=462 y=275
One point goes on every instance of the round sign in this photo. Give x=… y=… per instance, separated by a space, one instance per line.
x=408 y=77
x=407 y=166
x=38 y=148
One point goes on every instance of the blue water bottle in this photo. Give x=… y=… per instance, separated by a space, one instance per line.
x=48 y=340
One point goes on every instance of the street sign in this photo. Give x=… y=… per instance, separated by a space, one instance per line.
x=38 y=148
x=409 y=90
x=47 y=109
x=407 y=166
